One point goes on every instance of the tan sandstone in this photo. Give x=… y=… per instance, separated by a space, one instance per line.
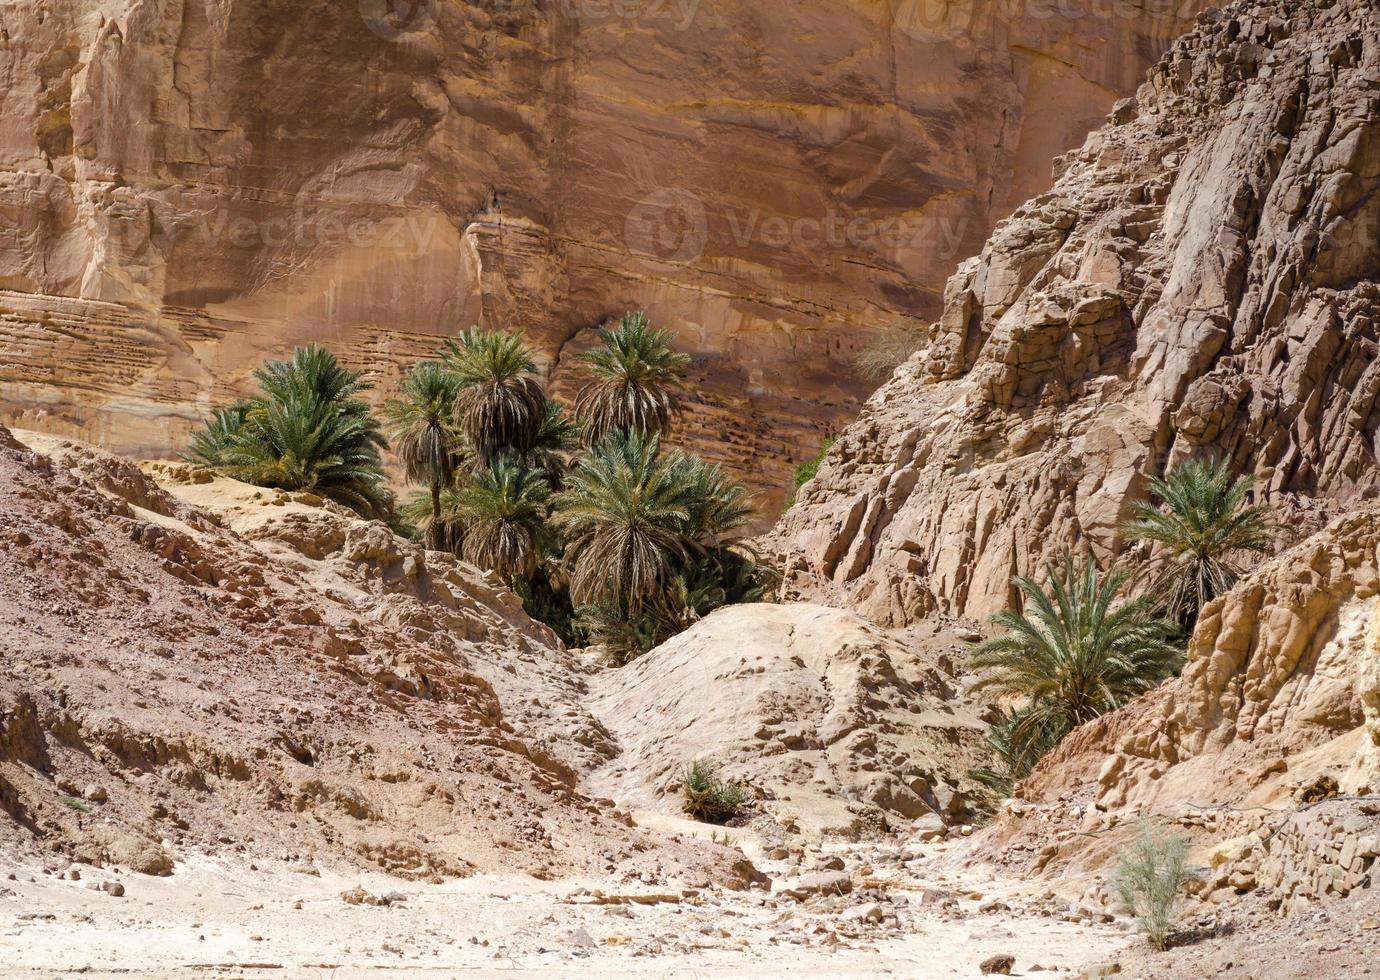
x=189 y=188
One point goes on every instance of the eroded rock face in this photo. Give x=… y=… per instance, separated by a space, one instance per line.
x=836 y=726
x=190 y=187
x=1280 y=697
x=1202 y=278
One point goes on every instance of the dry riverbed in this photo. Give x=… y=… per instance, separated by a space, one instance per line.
x=902 y=915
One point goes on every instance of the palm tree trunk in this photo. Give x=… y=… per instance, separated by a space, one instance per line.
x=433 y=533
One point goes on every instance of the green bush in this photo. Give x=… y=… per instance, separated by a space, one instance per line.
x=807 y=470
x=708 y=798
x=1150 y=876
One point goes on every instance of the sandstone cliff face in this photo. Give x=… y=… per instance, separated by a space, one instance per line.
x=190 y=186
x=1203 y=277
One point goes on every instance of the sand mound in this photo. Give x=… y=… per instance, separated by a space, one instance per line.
x=839 y=726
x=282 y=679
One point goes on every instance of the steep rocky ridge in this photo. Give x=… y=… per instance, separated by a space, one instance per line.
x=281 y=678
x=191 y=186
x=1203 y=277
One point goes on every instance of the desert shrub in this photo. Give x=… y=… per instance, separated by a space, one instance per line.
x=708 y=798
x=807 y=471
x=889 y=347
x=1149 y=878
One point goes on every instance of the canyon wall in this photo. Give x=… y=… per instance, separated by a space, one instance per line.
x=1203 y=279
x=188 y=187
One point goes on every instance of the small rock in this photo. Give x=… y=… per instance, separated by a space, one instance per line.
x=871 y=912
x=113 y=888
x=929 y=828
x=1001 y=965
x=95 y=793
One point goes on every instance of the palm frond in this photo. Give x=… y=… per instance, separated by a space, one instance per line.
x=504 y=510
x=1075 y=652
x=305 y=430
x=1203 y=528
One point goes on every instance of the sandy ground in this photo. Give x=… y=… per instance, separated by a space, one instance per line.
x=216 y=918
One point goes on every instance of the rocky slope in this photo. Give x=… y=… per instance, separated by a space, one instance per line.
x=835 y=727
x=1202 y=278
x=1281 y=692
x=1265 y=752
x=287 y=682
x=190 y=186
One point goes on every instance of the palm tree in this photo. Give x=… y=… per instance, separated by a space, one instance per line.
x=1016 y=746
x=503 y=509
x=635 y=376
x=419 y=425
x=1203 y=526
x=306 y=430
x=220 y=429
x=625 y=510
x=717 y=505
x=556 y=439
x=1076 y=653
x=500 y=405
x=446 y=529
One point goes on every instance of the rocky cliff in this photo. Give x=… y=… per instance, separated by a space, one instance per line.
x=1202 y=278
x=1281 y=693
x=189 y=186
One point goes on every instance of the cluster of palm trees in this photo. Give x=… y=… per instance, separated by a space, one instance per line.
x=607 y=536
x=1080 y=647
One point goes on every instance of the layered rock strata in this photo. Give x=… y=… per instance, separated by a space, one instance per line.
x=189 y=187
